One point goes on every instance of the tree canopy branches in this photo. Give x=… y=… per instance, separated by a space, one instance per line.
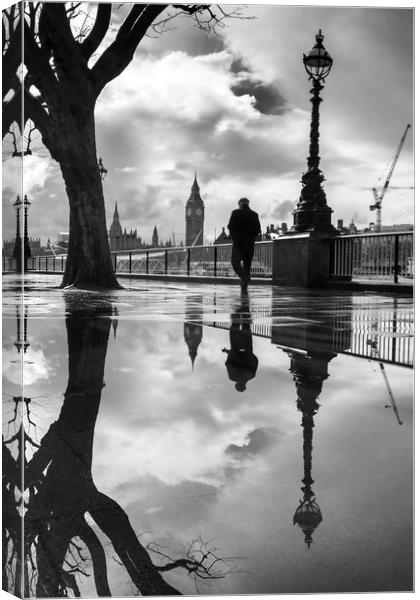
x=55 y=57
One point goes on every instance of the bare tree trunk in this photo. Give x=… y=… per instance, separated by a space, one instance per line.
x=89 y=260
x=89 y=263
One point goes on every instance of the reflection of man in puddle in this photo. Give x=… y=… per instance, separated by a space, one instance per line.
x=241 y=362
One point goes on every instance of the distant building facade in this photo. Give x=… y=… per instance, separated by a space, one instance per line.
x=194 y=217
x=35 y=244
x=122 y=240
x=351 y=229
x=343 y=230
x=223 y=238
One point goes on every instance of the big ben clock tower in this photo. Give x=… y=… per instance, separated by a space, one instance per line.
x=194 y=217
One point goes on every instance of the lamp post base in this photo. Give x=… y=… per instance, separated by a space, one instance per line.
x=317 y=220
x=302 y=259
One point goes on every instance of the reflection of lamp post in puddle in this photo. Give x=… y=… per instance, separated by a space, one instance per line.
x=309 y=371
x=21 y=344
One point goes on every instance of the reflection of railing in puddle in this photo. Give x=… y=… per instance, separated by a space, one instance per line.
x=391 y=330
x=348 y=330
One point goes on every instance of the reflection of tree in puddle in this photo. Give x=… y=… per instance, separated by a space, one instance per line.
x=60 y=544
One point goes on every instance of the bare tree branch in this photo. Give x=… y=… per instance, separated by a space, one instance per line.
x=120 y=53
x=98 y=32
x=201 y=561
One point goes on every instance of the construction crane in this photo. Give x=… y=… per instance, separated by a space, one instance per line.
x=379 y=196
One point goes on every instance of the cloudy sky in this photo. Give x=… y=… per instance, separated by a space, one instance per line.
x=236 y=110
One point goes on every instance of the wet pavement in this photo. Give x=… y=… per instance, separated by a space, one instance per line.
x=183 y=438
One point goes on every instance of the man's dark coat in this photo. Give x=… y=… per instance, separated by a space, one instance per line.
x=244 y=225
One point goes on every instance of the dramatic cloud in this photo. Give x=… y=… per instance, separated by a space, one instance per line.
x=280 y=210
x=268 y=99
x=236 y=110
x=257 y=441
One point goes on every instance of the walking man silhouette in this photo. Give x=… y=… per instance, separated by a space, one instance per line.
x=244 y=226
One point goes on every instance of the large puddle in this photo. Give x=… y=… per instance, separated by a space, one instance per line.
x=210 y=450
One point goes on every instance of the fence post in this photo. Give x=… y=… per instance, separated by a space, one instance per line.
x=215 y=261
x=147 y=262
x=115 y=262
x=166 y=262
x=129 y=262
x=62 y=263
x=46 y=263
x=188 y=260
x=54 y=264
x=396 y=258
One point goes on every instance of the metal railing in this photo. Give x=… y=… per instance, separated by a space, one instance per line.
x=384 y=256
x=9 y=264
x=55 y=264
x=374 y=256
x=205 y=261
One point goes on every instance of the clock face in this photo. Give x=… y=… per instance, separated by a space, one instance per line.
x=188 y=211
x=198 y=211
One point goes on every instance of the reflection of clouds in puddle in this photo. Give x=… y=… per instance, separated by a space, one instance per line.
x=191 y=426
x=36 y=366
x=182 y=421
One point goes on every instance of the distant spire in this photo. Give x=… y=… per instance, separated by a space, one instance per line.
x=155 y=238
x=116 y=215
x=195 y=197
x=195 y=186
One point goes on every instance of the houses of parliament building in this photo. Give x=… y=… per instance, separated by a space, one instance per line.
x=194 y=225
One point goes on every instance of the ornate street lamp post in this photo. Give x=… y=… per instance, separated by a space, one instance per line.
x=17 y=250
x=102 y=170
x=26 y=243
x=312 y=212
